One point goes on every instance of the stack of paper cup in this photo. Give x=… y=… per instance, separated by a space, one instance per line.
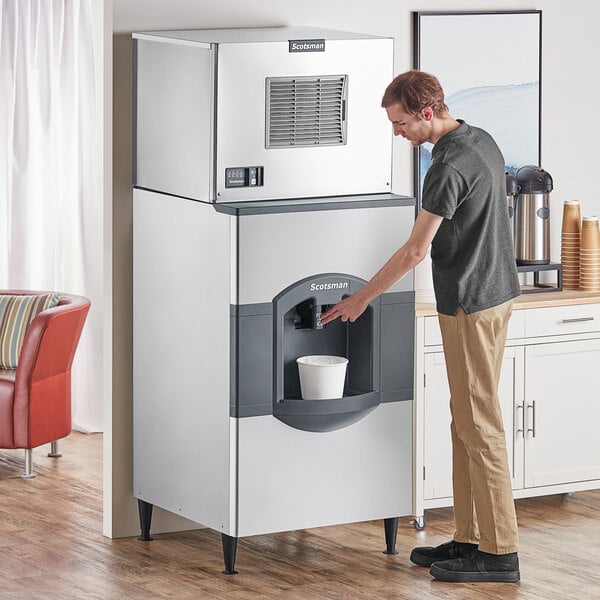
x=589 y=273
x=570 y=244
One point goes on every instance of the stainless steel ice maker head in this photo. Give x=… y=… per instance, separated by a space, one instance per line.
x=258 y=114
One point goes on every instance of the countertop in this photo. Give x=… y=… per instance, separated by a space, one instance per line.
x=535 y=300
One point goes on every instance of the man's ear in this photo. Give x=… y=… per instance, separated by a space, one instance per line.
x=427 y=113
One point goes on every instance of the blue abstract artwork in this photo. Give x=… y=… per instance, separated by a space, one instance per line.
x=489 y=65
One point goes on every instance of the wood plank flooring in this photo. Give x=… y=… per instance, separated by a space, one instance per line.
x=51 y=546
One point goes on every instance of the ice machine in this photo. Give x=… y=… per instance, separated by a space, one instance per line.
x=255 y=209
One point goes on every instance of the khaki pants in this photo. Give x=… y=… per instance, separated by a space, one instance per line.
x=484 y=510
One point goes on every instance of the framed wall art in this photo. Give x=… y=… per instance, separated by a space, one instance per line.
x=489 y=64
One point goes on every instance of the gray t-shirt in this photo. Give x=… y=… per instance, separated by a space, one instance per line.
x=474 y=265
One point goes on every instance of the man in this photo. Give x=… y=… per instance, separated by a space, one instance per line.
x=464 y=218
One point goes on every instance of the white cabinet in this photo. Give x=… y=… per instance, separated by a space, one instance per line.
x=549 y=394
x=437 y=452
x=562 y=413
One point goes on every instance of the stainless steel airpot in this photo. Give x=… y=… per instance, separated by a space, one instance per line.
x=532 y=216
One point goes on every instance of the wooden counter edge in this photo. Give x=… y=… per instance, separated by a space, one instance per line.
x=535 y=300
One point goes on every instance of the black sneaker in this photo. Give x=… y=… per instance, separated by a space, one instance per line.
x=479 y=566
x=427 y=555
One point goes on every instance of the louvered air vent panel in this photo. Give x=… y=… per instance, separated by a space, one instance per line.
x=305 y=111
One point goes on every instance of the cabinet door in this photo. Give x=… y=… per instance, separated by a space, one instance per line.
x=437 y=452
x=562 y=413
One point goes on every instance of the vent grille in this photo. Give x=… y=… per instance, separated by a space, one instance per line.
x=306 y=111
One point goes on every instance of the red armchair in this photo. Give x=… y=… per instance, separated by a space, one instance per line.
x=35 y=398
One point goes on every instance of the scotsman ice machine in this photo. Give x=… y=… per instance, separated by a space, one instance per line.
x=262 y=197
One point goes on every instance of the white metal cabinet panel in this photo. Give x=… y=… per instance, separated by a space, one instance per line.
x=291 y=479
x=437 y=452
x=181 y=437
x=516 y=328
x=275 y=250
x=562 y=413
x=562 y=320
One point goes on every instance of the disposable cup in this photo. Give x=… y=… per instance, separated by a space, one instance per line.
x=590 y=234
x=322 y=376
x=571 y=217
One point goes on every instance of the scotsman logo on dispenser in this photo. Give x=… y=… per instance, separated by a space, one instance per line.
x=306 y=45
x=330 y=285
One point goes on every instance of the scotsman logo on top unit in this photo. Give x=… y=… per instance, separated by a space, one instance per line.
x=335 y=285
x=306 y=45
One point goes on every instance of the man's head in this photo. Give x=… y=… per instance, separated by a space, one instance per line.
x=416 y=90
x=413 y=101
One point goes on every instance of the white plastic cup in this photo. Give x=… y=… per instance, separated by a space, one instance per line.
x=322 y=376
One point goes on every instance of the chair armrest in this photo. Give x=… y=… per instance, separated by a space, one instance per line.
x=51 y=340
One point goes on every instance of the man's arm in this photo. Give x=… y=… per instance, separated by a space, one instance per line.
x=401 y=262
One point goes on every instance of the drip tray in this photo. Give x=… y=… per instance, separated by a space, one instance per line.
x=325 y=415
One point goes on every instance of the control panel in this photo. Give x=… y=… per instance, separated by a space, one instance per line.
x=236 y=177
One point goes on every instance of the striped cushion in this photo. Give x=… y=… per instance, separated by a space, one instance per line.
x=16 y=313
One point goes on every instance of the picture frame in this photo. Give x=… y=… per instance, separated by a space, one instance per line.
x=489 y=65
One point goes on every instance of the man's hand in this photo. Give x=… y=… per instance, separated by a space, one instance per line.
x=348 y=309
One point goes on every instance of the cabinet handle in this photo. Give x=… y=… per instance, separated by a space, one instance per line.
x=532 y=428
x=579 y=320
x=521 y=421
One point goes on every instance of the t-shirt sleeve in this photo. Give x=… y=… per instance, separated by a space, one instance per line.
x=443 y=190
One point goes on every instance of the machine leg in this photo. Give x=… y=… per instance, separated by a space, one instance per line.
x=28 y=473
x=229 y=550
x=391 y=529
x=145 y=512
x=54 y=451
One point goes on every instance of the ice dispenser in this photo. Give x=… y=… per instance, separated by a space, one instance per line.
x=299 y=332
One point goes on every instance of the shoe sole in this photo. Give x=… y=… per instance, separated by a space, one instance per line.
x=460 y=577
x=421 y=561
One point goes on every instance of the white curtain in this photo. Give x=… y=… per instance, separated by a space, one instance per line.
x=50 y=170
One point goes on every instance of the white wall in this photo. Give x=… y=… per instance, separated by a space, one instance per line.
x=570 y=93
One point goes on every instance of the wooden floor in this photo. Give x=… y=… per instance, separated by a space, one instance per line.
x=51 y=546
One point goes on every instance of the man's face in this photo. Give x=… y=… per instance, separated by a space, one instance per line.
x=415 y=128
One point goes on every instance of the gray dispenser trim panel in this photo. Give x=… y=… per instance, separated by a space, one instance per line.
x=297 y=332
x=254 y=389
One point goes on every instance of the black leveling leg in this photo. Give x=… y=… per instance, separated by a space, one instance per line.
x=391 y=529
x=145 y=511
x=229 y=550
